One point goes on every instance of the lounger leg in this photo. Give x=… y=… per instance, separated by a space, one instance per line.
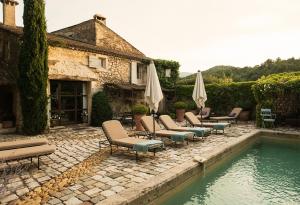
x=31 y=160
x=154 y=151
x=136 y=155
x=110 y=149
x=38 y=162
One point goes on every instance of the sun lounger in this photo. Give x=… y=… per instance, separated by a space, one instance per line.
x=116 y=135
x=233 y=115
x=169 y=124
x=195 y=122
x=26 y=153
x=175 y=136
x=205 y=113
x=22 y=143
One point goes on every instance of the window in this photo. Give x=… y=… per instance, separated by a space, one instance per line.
x=139 y=71
x=97 y=62
x=168 y=73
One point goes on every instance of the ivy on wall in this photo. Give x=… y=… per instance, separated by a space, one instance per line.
x=161 y=66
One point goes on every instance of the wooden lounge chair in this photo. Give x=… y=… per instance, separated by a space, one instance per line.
x=232 y=116
x=18 y=150
x=117 y=136
x=169 y=124
x=175 y=136
x=195 y=122
x=205 y=113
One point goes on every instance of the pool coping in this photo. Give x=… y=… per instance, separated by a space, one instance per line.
x=157 y=186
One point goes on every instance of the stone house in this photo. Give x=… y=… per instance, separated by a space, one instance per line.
x=82 y=60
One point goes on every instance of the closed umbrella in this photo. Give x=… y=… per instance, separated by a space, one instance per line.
x=199 y=94
x=153 y=92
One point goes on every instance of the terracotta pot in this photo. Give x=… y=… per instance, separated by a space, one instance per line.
x=244 y=116
x=7 y=124
x=138 y=123
x=180 y=115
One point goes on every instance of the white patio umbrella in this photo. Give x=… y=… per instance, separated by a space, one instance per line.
x=153 y=92
x=199 y=94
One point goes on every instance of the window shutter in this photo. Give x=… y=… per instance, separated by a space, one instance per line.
x=134 y=72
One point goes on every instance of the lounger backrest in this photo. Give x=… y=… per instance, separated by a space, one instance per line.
x=23 y=143
x=205 y=112
x=236 y=112
x=113 y=129
x=147 y=122
x=168 y=122
x=191 y=118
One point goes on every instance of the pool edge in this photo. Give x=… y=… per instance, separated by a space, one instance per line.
x=157 y=186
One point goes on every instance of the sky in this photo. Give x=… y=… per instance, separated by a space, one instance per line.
x=198 y=33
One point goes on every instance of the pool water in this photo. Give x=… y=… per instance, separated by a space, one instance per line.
x=267 y=173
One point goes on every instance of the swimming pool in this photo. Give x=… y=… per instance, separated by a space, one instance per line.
x=266 y=173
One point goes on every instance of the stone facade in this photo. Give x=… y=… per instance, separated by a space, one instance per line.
x=88 y=52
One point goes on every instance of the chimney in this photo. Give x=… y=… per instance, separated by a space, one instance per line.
x=9 y=14
x=100 y=18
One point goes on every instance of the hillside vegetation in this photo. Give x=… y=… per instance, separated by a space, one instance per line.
x=226 y=74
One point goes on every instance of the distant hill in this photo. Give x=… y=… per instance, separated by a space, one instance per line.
x=222 y=73
x=184 y=74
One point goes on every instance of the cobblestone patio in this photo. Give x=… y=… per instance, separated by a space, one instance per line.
x=113 y=175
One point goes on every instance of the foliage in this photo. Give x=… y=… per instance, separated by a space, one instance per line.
x=180 y=105
x=139 y=109
x=269 y=90
x=34 y=68
x=161 y=66
x=222 y=97
x=101 y=110
x=226 y=74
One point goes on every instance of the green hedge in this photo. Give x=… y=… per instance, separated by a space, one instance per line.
x=222 y=97
x=101 y=110
x=270 y=91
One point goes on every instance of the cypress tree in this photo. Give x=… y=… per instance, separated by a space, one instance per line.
x=33 y=65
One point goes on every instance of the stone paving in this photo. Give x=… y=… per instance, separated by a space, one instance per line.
x=113 y=175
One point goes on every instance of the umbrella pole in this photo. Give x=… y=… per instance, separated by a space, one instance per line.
x=153 y=124
x=201 y=114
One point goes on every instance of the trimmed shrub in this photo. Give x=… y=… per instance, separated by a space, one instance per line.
x=222 y=97
x=101 y=110
x=139 y=109
x=180 y=105
x=33 y=68
x=279 y=92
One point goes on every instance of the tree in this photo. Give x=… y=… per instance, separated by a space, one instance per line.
x=33 y=68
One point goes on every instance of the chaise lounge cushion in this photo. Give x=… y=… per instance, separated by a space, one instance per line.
x=21 y=153
x=22 y=143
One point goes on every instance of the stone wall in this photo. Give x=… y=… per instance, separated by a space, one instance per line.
x=67 y=64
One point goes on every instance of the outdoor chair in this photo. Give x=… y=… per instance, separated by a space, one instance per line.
x=117 y=136
x=195 y=122
x=232 y=116
x=205 y=113
x=25 y=149
x=175 y=136
x=267 y=117
x=169 y=124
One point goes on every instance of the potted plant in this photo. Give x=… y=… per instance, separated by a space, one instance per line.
x=180 y=110
x=138 y=112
